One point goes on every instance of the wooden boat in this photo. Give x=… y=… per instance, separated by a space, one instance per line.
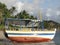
x=27 y=30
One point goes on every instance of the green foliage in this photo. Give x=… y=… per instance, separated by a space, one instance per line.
x=46 y=24
x=51 y=24
x=4 y=11
x=12 y=10
x=24 y=15
x=2 y=6
x=1 y=26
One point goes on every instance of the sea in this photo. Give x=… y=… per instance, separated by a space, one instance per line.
x=57 y=38
x=55 y=41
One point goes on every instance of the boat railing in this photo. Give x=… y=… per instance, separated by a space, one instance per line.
x=29 y=29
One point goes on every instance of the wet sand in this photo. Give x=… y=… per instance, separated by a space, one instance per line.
x=5 y=41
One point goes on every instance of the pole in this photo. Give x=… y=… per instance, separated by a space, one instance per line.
x=42 y=22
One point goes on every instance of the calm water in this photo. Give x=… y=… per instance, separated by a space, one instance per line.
x=55 y=41
x=57 y=38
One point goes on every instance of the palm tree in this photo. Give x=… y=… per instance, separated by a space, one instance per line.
x=24 y=15
x=12 y=10
x=2 y=8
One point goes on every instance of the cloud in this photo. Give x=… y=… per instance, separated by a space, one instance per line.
x=16 y=3
x=32 y=6
x=52 y=14
x=9 y=3
x=58 y=13
x=19 y=6
x=48 y=12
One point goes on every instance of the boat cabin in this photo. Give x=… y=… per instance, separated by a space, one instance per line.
x=22 y=24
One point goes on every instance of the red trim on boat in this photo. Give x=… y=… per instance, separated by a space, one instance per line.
x=29 y=39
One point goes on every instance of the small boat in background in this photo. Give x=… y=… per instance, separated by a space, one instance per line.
x=27 y=30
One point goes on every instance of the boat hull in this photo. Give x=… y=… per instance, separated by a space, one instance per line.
x=40 y=36
x=29 y=39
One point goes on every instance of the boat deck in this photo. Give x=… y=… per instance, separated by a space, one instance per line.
x=29 y=29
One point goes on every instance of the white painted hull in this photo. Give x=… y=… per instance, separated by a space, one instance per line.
x=39 y=36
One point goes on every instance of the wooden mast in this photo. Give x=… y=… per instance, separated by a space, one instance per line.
x=40 y=18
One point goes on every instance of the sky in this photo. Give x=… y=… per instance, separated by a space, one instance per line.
x=49 y=9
